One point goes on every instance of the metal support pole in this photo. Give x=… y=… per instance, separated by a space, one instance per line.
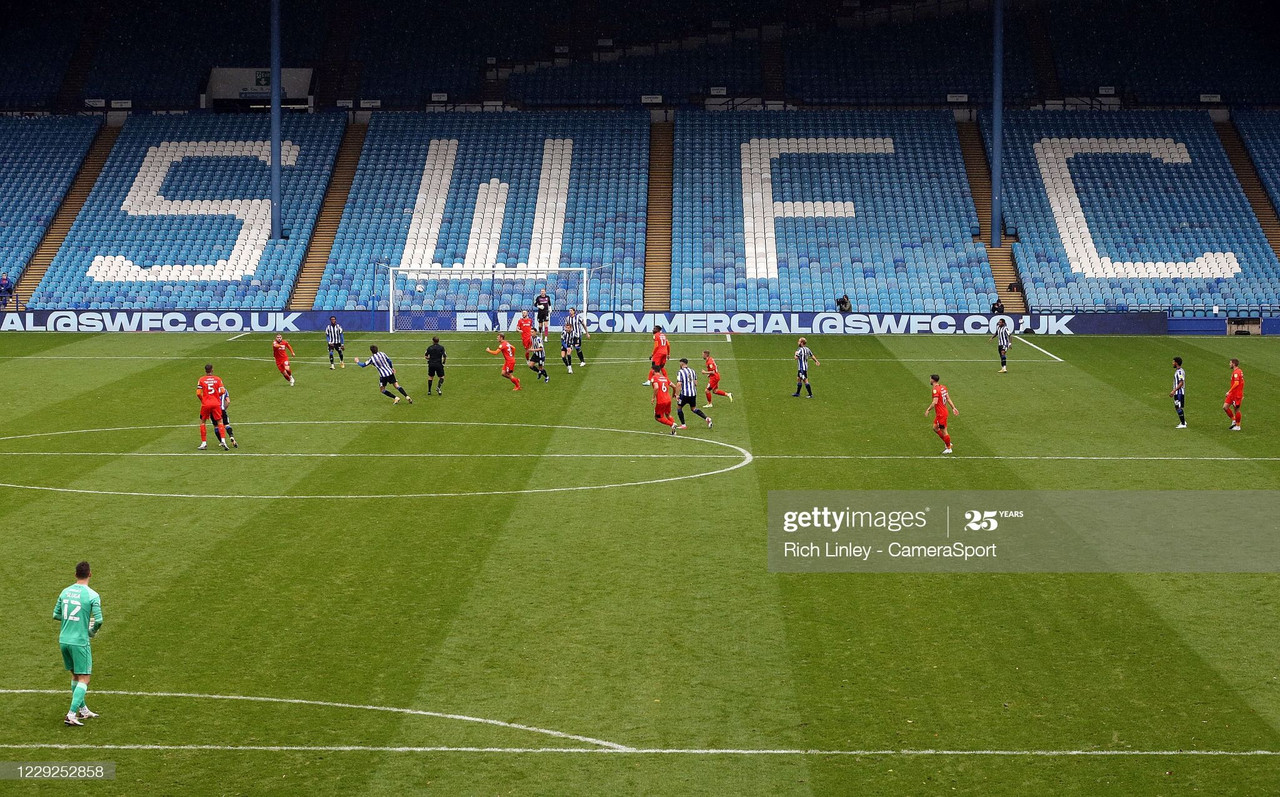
x=997 y=121
x=275 y=120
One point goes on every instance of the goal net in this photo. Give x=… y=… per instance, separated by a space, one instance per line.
x=424 y=299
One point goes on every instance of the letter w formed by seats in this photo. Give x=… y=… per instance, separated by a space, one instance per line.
x=760 y=211
x=489 y=212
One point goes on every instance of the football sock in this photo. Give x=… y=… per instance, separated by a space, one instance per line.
x=649 y=378
x=429 y=381
x=1230 y=413
x=401 y=390
x=340 y=357
x=808 y=387
x=330 y=358
x=230 y=432
x=204 y=436
x=699 y=413
x=1237 y=417
x=665 y=421
x=718 y=392
x=388 y=393
x=941 y=434
x=222 y=432
x=517 y=381
x=798 y=386
x=1181 y=417
x=1002 y=360
x=680 y=412
x=77 y=696
x=946 y=438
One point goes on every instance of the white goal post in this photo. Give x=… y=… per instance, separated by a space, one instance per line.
x=425 y=299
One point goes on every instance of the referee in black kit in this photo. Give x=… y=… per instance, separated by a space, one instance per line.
x=386 y=374
x=435 y=365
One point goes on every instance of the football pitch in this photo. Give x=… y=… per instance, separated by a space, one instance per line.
x=541 y=591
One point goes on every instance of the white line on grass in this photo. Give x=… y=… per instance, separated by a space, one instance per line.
x=743 y=462
x=237 y=337
x=1019 y=457
x=325 y=704
x=1034 y=346
x=356 y=455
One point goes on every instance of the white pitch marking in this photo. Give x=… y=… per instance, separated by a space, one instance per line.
x=728 y=338
x=746 y=460
x=1019 y=457
x=237 y=337
x=354 y=455
x=1038 y=348
x=326 y=704
x=651 y=751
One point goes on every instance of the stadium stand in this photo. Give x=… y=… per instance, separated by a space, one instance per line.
x=38 y=160
x=180 y=217
x=1103 y=43
x=407 y=53
x=680 y=77
x=486 y=190
x=1131 y=210
x=790 y=210
x=909 y=64
x=138 y=60
x=36 y=43
x=1261 y=133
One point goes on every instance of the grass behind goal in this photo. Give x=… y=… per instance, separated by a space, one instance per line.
x=639 y=614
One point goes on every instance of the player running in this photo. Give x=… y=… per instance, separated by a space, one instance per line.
x=210 y=391
x=1178 y=394
x=508 y=360
x=713 y=379
x=334 y=337
x=435 y=365
x=688 y=393
x=1235 y=395
x=578 y=330
x=662 y=401
x=525 y=325
x=803 y=355
x=226 y=419
x=542 y=303
x=661 y=351
x=79 y=609
x=1001 y=337
x=566 y=346
x=386 y=374
x=938 y=406
x=538 y=358
x=278 y=347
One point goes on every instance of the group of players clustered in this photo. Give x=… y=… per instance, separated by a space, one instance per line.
x=214 y=397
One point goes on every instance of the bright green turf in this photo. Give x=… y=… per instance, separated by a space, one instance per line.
x=642 y=615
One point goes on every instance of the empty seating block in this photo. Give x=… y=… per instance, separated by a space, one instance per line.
x=1131 y=210
x=787 y=211
x=1261 y=133
x=679 y=77
x=36 y=42
x=38 y=160
x=180 y=217
x=519 y=194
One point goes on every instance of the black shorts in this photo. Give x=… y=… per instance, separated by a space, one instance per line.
x=336 y=347
x=689 y=401
x=435 y=369
x=544 y=316
x=383 y=381
x=802 y=374
x=537 y=358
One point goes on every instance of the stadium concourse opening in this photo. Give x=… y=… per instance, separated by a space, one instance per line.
x=491 y=347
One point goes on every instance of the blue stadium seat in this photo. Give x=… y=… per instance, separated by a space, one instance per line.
x=595 y=164
x=786 y=211
x=38 y=160
x=179 y=218
x=1130 y=210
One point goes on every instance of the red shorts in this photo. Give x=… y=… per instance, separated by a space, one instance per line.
x=526 y=340
x=662 y=409
x=508 y=367
x=283 y=365
x=659 y=361
x=940 y=419
x=1234 y=398
x=208 y=411
x=713 y=381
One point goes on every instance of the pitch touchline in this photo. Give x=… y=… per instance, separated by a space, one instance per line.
x=1018 y=457
x=356 y=455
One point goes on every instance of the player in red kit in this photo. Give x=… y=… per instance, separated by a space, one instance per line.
x=508 y=359
x=658 y=360
x=210 y=391
x=1235 y=395
x=941 y=398
x=282 y=350
x=525 y=325
x=713 y=379
x=662 y=401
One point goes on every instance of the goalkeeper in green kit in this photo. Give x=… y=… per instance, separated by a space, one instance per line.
x=79 y=609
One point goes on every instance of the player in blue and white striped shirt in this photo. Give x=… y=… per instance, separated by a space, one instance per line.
x=226 y=421
x=538 y=357
x=577 y=328
x=803 y=357
x=386 y=374
x=1002 y=338
x=688 y=380
x=1178 y=394
x=333 y=336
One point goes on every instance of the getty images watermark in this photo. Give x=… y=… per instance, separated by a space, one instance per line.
x=1022 y=532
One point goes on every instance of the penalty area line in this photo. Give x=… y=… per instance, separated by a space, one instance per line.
x=237 y=337
x=1038 y=348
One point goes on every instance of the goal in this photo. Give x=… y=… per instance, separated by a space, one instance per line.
x=424 y=299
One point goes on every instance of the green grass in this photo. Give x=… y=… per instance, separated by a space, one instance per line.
x=642 y=615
